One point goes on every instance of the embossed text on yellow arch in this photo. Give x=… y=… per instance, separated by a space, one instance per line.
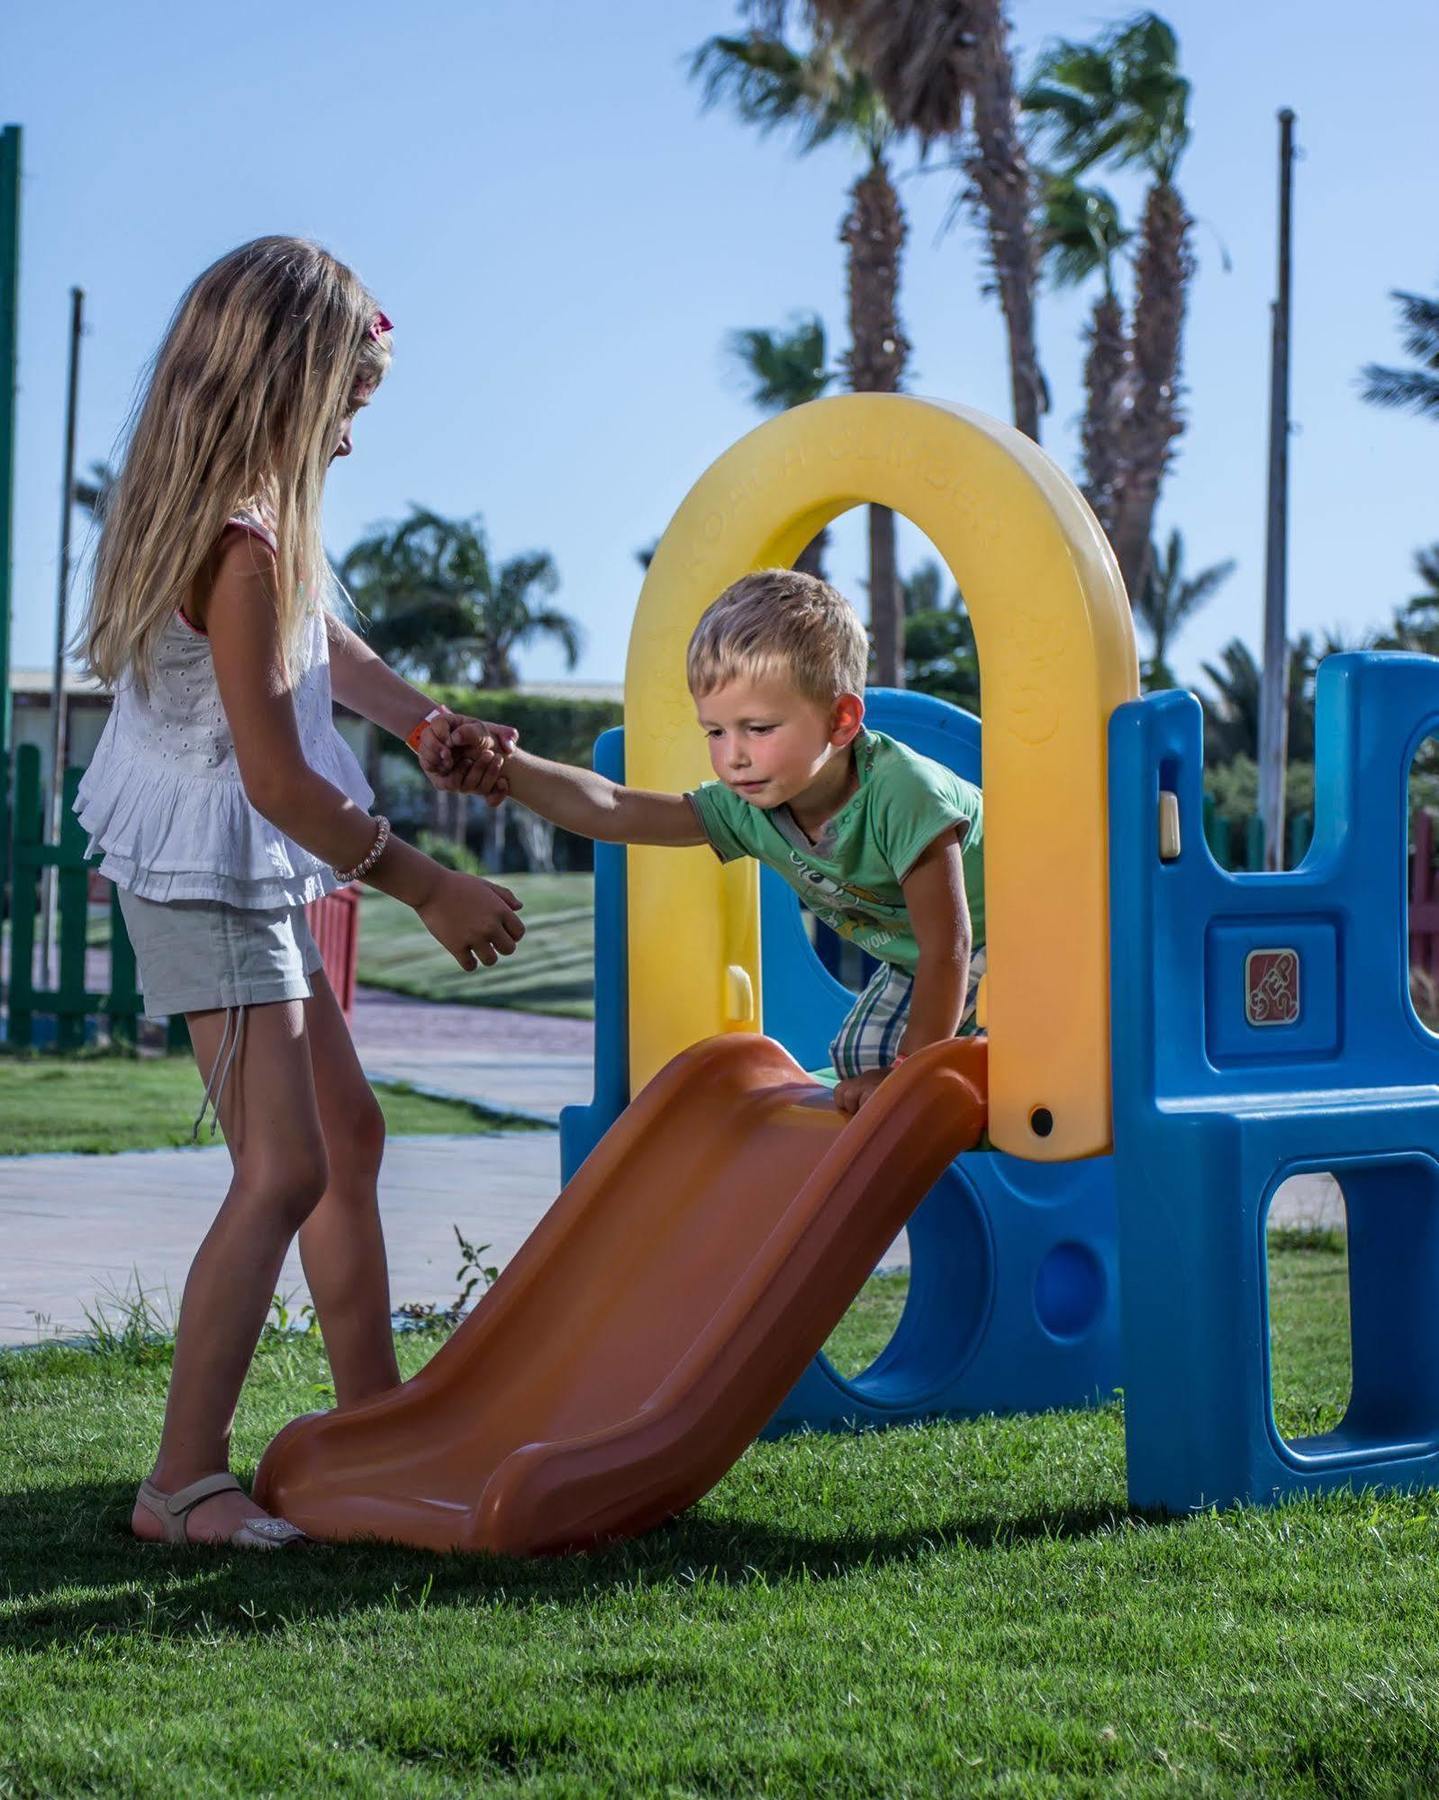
x=1057 y=655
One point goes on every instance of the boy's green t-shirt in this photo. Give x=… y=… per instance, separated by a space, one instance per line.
x=851 y=878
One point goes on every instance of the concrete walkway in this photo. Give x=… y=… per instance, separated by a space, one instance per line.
x=79 y=1228
x=511 y=1062
x=76 y=1229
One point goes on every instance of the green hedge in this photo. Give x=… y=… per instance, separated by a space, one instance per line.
x=562 y=729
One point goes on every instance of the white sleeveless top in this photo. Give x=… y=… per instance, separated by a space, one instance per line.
x=162 y=798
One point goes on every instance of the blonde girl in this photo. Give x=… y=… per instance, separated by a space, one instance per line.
x=223 y=801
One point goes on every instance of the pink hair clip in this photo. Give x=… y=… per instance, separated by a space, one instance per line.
x=379 y=324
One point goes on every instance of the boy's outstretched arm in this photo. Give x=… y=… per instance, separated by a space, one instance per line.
x=579 y=800
x=938 y=910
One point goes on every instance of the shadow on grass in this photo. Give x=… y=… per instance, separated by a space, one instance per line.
x=69 y=1568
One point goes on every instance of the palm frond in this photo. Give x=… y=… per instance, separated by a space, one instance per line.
x=783 y=368
x=1081 y=231
x=1410 y=390
x=771 y=85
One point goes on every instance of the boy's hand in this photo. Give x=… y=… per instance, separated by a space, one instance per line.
x=467 y=755
x=473 y=919
x=852 y=1092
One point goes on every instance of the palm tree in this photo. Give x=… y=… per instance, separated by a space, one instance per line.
x=1169 y=599
x=437 y=606
x=1082 y=235
x=784 y=369
x=922 y=590
x=1002 y=188
x=820 y=95
x=933 y=62
x=1416 y=622
x=1413 y=390
x=1231 y=712
x=1122 y=102
x=92 y=492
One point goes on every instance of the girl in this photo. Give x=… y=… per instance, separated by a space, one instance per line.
x=223 y=801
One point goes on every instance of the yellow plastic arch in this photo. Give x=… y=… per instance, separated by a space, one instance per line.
x=1057 y=653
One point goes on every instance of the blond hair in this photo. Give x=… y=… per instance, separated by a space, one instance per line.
x=780 y=622
x=267 y=354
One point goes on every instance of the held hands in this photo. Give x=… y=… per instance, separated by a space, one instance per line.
x=467 y=756
x=472 y=918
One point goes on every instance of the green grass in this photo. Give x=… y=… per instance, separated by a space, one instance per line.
x=963 y=1608
x=551 y=972
x=102 y=1104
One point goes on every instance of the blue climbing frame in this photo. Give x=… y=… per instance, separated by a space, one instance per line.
x=1012 y=1302
x=1263 y=1028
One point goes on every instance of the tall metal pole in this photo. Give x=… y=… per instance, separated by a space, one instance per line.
x=58 y=735
x=9 y=321
x=1274 y=691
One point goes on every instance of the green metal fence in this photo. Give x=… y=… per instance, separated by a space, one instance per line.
x=1238 y=844
x=71 y=1001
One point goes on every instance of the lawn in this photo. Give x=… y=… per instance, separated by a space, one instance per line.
x=962 y=1608
x=101 y=1104
x=551 y=972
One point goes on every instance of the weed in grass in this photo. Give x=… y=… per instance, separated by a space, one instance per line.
x=131 y=1325
x=472 y=1273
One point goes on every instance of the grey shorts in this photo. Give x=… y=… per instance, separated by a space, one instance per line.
x=201 y=955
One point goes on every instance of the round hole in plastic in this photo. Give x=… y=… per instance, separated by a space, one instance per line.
x=1069 y=1290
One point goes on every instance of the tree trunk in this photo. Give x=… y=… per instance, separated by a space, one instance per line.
x=810 y=560
x=886 y=623
x=1003 y=192
x=1162 y=274
x=492 y=837
x=873 y=233
x=537 y=840
x=1106 y=381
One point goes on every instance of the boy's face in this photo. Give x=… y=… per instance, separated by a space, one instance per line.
x=769 y=742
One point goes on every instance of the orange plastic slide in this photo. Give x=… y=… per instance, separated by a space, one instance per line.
x=653 y=1321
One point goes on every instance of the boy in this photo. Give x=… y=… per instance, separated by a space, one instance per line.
x=879 y=843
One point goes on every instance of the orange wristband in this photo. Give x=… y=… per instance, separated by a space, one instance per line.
x=413 y=740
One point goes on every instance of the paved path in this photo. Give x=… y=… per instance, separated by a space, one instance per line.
x=513 y=1062
x=76 y=1228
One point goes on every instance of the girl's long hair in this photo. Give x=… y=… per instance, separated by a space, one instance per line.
x=268 y=353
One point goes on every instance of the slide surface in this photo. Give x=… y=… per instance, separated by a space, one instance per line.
x=654 y=1319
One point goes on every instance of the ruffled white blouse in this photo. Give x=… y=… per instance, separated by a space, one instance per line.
x=162 y=798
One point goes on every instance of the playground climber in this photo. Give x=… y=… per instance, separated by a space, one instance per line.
x=884 y=846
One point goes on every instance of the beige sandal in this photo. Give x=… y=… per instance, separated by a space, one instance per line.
x=172 y=1510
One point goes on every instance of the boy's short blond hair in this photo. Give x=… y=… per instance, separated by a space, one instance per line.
x=780 y=622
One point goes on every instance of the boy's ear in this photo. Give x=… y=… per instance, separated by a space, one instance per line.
x=845 y=720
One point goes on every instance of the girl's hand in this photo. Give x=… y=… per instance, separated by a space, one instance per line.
x=467 y=755
x=473 y=919
x=852 y=1093
x=480 y=751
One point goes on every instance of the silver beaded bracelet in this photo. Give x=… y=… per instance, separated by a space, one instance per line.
x=376 y=851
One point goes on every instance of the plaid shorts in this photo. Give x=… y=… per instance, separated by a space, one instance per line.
x=869 y=1037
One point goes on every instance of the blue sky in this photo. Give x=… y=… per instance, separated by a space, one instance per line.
x=564 y=239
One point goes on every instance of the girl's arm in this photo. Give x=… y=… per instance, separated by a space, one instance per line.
x=471 y=918
x=367 y=685
x=370 y=687
x=579 y=800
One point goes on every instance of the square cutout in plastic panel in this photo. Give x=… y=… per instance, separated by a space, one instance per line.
x=1271 y=990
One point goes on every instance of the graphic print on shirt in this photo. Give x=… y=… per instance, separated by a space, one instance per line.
x=856 y=914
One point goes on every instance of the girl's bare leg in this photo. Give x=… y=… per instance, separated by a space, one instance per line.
x=341 y=1243
x=272 y=1126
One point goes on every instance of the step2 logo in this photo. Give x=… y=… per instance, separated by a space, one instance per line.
x=1271 y=987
